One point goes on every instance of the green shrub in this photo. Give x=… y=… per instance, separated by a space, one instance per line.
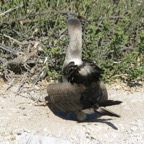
x=113 y=34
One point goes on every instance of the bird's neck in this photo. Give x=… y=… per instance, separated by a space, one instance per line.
x=74 y=50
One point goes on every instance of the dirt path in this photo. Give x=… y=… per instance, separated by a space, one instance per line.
x=21 y=118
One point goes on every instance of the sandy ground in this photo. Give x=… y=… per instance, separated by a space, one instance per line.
x=20 y=117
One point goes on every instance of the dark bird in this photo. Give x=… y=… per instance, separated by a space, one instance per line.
x=81 y=91
x=74 y=69
x=65 y=97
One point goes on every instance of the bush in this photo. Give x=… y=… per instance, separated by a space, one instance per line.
x=113 y=34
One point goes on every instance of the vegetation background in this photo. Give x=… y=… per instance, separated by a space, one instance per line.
x=113 y=36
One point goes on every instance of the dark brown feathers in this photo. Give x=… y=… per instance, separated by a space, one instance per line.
x=104 y=111
x=65 y=97
x=81 y=91
x=86 y=73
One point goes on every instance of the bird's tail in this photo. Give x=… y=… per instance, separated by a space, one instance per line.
x=106 y=103
x=104 y=111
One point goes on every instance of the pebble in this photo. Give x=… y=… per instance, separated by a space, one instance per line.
x=38 y=139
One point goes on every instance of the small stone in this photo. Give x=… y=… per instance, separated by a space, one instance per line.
x=21 y=107
x=134 y=128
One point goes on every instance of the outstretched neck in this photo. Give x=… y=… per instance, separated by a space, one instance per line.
x=74 y=50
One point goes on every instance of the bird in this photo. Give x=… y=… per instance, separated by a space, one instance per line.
x=81 y=90
x=75 y=70
x=78 y=98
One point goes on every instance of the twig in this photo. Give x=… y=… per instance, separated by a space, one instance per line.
x=12 y=38
x=126 y=48
x=30 y=16
x=116 y=17
x=41 y=74
x=18 y=33
x=10 y=84
x=21 y=59
x=8 y=49
x=11 y=9
x=21 y=84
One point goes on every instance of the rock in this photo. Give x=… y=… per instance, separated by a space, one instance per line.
x=38 y=139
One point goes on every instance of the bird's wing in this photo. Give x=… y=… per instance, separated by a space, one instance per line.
x=65 y=97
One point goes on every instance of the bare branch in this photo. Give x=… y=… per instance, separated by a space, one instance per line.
x=11 y=9
x=117 y=17
x=8 y=49
x=12 y=39
x=21 y=59
x=30 y=16
x=21 y=83
x=10 y=84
